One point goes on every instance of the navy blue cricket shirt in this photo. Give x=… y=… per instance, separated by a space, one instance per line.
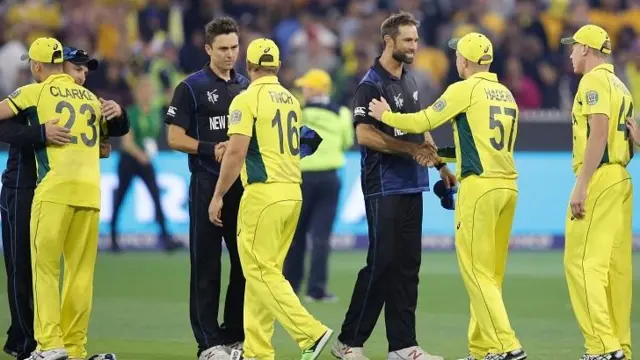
x=381 y=173
x=200 y=105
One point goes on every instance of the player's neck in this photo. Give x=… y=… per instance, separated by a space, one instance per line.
x=393 y=66
x=223 y=74
x=592 y=63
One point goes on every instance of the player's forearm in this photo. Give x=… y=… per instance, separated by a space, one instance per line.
x=369 y=136
x=596 y=144
x=231 y=166
x=18 y=134
x=178 y=140
x=119 y=126
x=414 y=123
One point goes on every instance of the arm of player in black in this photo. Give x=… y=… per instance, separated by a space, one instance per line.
x=178 y=118
x=309 y=141
x=367 y=132
x=14 y=133
x=119 y=126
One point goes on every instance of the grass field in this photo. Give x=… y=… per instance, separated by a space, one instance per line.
x=140 y=307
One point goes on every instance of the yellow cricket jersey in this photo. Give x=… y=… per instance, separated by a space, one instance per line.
x=601 y=92
x=485 y=125
x=270 y=115
x=68 y=174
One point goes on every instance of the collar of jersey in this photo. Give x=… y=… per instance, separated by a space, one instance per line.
x=60 y=76
x=605 y=66
x=485 y=75
x=265 y=80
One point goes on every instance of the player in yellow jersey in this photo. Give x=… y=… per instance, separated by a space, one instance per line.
x=485 y=125
x=264 y=148
x=66 y=203
x=597 y=257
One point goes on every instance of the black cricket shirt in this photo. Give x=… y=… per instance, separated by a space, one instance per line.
x=200 y=105
x=381 y=173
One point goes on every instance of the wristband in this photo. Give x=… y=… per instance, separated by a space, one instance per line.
x=440 y=166
x=206 y=148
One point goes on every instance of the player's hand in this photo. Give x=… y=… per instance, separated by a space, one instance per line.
x=215 y=210
x=426 y=155
x=377 y=107
x=144 y=159
x=56 y=135
x=220 y=149
x=110 y=109
x=448 y=177
x=577 y=202
x=634 y=130
x=105 y=149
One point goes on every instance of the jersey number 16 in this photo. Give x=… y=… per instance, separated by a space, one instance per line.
x=91 y=121
x=293 y=137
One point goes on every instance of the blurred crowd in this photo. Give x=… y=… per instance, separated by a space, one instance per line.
x=164 y=40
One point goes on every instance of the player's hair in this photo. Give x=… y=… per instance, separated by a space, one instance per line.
x=391 y=25
x=273 y=70
x=52 y=67
x=219 y=26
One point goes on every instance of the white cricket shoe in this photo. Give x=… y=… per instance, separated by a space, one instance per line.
x=54 y=354
x=215 y=353
x=411 y=353
x=346 y=352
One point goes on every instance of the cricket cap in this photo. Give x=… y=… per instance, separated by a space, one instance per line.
x=263 y=52
x=79 y=57
x=315 y=79
x=592 y=36
x=45 y=50
x=474 y=47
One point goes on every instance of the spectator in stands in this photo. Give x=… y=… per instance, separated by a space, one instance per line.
x=523 y=88
x=138 y=149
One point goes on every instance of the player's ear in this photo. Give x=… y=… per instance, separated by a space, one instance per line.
x=208 y=49
x=387 y=39
x=585 y=50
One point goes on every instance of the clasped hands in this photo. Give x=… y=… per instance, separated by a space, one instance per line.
x=424 y=154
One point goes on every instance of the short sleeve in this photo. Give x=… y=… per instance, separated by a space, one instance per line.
x=595 y=95
x=241 y=116
x=23 y=97
x=361 y=99
x=182 y=106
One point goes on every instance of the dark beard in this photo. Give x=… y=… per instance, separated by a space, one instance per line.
x=401 y=57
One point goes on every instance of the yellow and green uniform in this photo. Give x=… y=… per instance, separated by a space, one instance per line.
x=270 y=115
x=485 y=125
x=65 y=211
x=598 y=246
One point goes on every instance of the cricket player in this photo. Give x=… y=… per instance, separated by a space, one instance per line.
x=485 y=126
x=264 y=146
x=19 y=182
x=597 y=257
x=66 y=203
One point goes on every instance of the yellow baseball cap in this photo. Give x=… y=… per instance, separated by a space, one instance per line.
x=474 y=47
x=591 y=35
x=316 y=79
x=45 y=50
x=263 y=52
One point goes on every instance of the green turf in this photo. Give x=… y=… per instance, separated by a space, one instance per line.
x=140 y=307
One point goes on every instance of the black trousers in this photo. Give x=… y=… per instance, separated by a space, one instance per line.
x=390 y=277
x=128 y=168
x=320 y=190
x=15 y=205
x=205 y=243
